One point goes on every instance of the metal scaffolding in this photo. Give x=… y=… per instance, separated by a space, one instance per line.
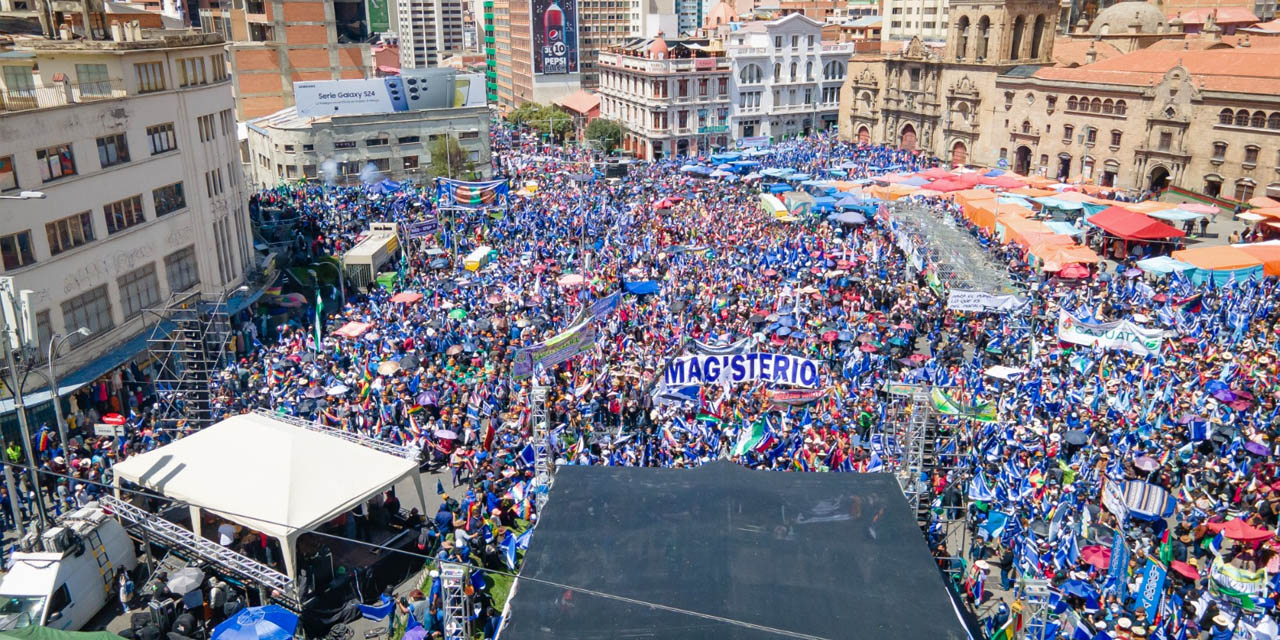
x=384 y=446
x=541 y=444
x=188 y=342
x=957 y=258
x=457 y=614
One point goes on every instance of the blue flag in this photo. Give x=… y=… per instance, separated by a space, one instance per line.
x=528 y=456
x=1152 y=589
x=439 y=487
x=509 y=551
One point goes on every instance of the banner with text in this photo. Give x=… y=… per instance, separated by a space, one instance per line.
x=958 y=300
x=577 y=339
x=743 y=367
x=1121 y=334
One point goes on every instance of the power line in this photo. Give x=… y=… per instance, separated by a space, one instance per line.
x=609 y=596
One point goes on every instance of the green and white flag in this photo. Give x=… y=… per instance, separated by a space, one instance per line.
x=319 y=315
x=749 y=438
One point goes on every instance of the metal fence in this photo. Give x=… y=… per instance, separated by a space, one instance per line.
x=24 y=99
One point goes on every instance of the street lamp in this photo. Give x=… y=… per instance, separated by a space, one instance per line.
x=342 y=285
x=26 y=195
x=56 y=343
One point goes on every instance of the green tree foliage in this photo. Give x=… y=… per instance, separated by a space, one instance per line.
x=450 y=160
x=607 y=132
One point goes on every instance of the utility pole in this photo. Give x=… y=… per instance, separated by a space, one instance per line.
x=15 y=388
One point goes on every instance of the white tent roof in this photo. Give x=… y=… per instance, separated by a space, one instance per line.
x=266 y=474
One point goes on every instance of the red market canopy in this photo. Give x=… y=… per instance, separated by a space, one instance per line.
x=1128 y=225
x=1185 y=570
x=406 y=297
x=1240 y=530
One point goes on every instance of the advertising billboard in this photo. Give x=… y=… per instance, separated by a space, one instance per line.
x=555 y=36
x=414 y=90
x=379 y=15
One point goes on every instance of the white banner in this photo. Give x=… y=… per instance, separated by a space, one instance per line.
x=958 y=300
x=743 y=367
x=1122 y=334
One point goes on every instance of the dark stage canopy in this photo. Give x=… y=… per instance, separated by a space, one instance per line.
x=819 y=555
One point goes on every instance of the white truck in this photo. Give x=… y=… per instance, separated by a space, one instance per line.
x=375 y=250
x=66 y=583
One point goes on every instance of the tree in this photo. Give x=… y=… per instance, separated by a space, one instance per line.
x=543 y=118
x=449 y=159
x=607 y=132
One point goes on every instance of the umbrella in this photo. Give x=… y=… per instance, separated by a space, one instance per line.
x=409 y=362
x=438 y=263
x=445 y=434
x=917 y=357
x=1076 y=437
x=494 y=298
x=185 y=580
x=1146 y=463
x=784 y=331
x=1224 y=395
x=388 y=367
x=337 y=389
x=483 y=325
x=454 y=350
x=293 y=300
x=1079 y=588
x=1132 y=273
x=868 y=348
x=272 y=622
x=1183 y=569
x=1240 y=530
x=1257 y=448
x=311 y=392
x=570 y=280
x=829 y=336
x=458 y=313
x=1096 y=555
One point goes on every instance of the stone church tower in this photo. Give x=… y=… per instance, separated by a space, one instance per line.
x=943 y=101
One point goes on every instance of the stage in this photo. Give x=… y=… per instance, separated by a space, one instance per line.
x=727 y=552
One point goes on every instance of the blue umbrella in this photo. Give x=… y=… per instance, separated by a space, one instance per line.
x=787 y=321
x=272 y=622
x=784 y=331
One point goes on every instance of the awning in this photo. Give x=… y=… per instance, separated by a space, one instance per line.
x=1132 y=226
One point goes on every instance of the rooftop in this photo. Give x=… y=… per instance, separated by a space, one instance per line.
x=1222 y=15
x=150 y=39
x=1073 y=52
x=1240 y=70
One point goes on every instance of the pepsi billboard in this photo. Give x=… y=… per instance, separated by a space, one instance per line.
x=555 y=36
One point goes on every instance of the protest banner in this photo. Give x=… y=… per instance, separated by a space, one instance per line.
x=1121 y=334
x=1152 y=589
x=1113 y=499
x=573 y=341
x=458 y=193
x=1118 y=570
x=1244 y=588
x=794 y=397
x=960 y=300
x=604 y=306
x=743 y=367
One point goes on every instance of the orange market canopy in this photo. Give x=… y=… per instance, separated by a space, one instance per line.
x=1055 y=257
x=1269 y=254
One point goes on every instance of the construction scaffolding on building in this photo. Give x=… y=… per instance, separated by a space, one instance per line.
x=188 y=342
x=936 y=244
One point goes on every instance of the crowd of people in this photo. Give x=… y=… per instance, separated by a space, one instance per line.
x=1021 y=495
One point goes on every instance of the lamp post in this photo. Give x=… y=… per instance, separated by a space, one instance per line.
x=25 y=195
x=342 y=285
x=56 y=343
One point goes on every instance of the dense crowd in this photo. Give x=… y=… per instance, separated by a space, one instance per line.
x=1016 y=495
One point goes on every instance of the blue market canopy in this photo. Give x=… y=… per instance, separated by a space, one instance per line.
x=775 y=172
x=725 y=157
x=696 y=170
x=848 y=217
x=1175 y=215
x=798 y=176
x=779 y=188
x=1163 y=264
x=1064 y=228
x=824 y=203
x=641 y=287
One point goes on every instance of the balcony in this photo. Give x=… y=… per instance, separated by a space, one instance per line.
x=58 y=95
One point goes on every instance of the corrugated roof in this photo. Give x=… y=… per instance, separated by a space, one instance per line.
x=1224 y=15
x=1245 y=70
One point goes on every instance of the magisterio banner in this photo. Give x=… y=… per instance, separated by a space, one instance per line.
x=1121 y=334
x=555 y=36
x=743 y=367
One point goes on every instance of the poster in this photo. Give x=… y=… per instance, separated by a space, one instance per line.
x=1122 y=335
x=743 y=367
x=379 y=16
x=960 y=300
x=555 y=36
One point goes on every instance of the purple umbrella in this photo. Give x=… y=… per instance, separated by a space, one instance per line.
x=1224 y=395
x=1186 y=418
x=1257 y=448
x=1239 y=405
x=1133 y=273
x=1146 y=463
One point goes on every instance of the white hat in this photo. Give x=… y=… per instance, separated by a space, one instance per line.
x=983 y=564
x=1222 y=620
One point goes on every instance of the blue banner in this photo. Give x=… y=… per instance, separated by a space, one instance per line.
x=1117 y=572
x=604 y=306
x=743 y=367
x=1152 y=588
x=456 y=193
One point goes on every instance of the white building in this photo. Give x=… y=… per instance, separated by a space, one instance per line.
x=133 y=144
x=429 y=31
x=348 y=149
x=904 y=19
x=673 y=99
x=784 y=80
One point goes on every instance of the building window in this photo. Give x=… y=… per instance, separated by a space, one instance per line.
x=795 y=42
x=123 y=214
x=408 y=140
x=161 y=138
x=219 y=64
x=381 y=164
x=1244 y=190
x=181 y=270
x=1219 y=150
x=1166 y=140
x=16 y=250
x=1072 y=105
x=1115 y=138
x=1066 y=133
x=345 y=144
x=168 y=198
x=228 y=118
x=213 y=181
x=139 y=289
x=69 y=233
x=409 y=163
x=1242 y=118
x=93 y=80
x=1120 y=107
x=91 y=310
x=205 y=125
x=777 y=42
x=1226 y=116
x=191 y=72
x=309 y=171
x=8 y=175
x=150 y=76
x=56 y=162
x=1251 y=155
x=113 y=150
x=1259 y=120
x=1091 y=135
x=1273 y=121
x=377 y=142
